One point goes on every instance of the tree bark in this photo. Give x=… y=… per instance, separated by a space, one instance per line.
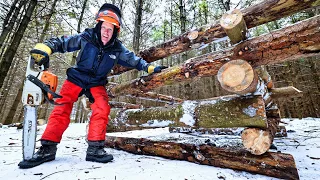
x=256 y=15
x=10 y=52
x=290 y=43
x=226 y=111
x=271 y=164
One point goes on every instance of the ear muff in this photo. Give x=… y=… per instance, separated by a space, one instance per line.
x=111 y=14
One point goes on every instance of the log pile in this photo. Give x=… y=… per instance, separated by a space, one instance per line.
x=240 y=70
x=290 y=43
x=256 y=15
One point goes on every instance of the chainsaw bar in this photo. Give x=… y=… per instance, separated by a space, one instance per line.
x=29 y=131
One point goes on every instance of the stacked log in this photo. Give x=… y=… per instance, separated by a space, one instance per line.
x=277 y=165
x=220 y=112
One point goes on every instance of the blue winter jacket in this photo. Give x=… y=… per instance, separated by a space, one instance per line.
x=94 y=62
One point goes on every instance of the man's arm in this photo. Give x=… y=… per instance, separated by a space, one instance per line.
x=129 y=59
x=64 y=43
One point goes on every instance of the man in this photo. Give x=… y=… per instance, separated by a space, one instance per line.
x=100 y=50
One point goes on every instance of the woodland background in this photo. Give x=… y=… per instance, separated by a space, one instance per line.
x=145 y=24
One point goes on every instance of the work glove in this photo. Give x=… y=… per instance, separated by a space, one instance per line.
x=157 y=69
x=40 y=53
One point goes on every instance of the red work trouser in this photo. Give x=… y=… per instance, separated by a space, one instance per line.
x=60 y=116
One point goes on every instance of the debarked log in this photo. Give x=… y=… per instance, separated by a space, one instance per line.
x=271 y=164
x=290 y=43
x=225 y=111
x=256 y=15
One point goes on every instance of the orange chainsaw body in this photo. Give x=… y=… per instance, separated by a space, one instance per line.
x=51 y=80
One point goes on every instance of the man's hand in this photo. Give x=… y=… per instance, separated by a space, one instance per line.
x=40 y=53
x=157 y=69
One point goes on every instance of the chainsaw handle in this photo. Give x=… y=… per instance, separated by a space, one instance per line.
x=43 y=65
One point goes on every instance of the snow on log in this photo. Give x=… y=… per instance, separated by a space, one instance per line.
x=234 y=26
x=290 y=43
x=277 y=165
x=256 y=15
x=156 y=97
x=281 y=131
x=258 y=141
x=225 y=111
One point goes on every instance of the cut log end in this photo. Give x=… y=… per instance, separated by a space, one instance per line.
x=234 y=25
x=231 y=20
x=256 y=141
x=236 y=76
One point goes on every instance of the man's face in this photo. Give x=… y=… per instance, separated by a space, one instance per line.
x=106 y=32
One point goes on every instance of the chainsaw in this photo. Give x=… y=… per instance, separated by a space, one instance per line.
x=39 y=87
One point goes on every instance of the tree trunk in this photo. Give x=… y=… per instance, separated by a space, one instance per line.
x=7 y=85
x=271 y=164
x=8 y=27
x=9 y=119
x=137 y=26
x=290 y=43
x=256 y=15
x=8 y=16
x=47 y=24
x=74 y=55
x=226 y=111
x=10 y=52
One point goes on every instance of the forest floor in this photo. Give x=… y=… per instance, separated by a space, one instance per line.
x=303 y=142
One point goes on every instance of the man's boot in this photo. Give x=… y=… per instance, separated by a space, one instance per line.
x=96 y=152
x=47 y=152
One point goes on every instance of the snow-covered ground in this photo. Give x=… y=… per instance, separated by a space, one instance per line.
x=303 y=142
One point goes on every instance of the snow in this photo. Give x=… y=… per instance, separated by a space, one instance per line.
x=303 y=142
x=188 y=110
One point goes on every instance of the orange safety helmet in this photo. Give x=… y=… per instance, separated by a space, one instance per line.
x=111 y=14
